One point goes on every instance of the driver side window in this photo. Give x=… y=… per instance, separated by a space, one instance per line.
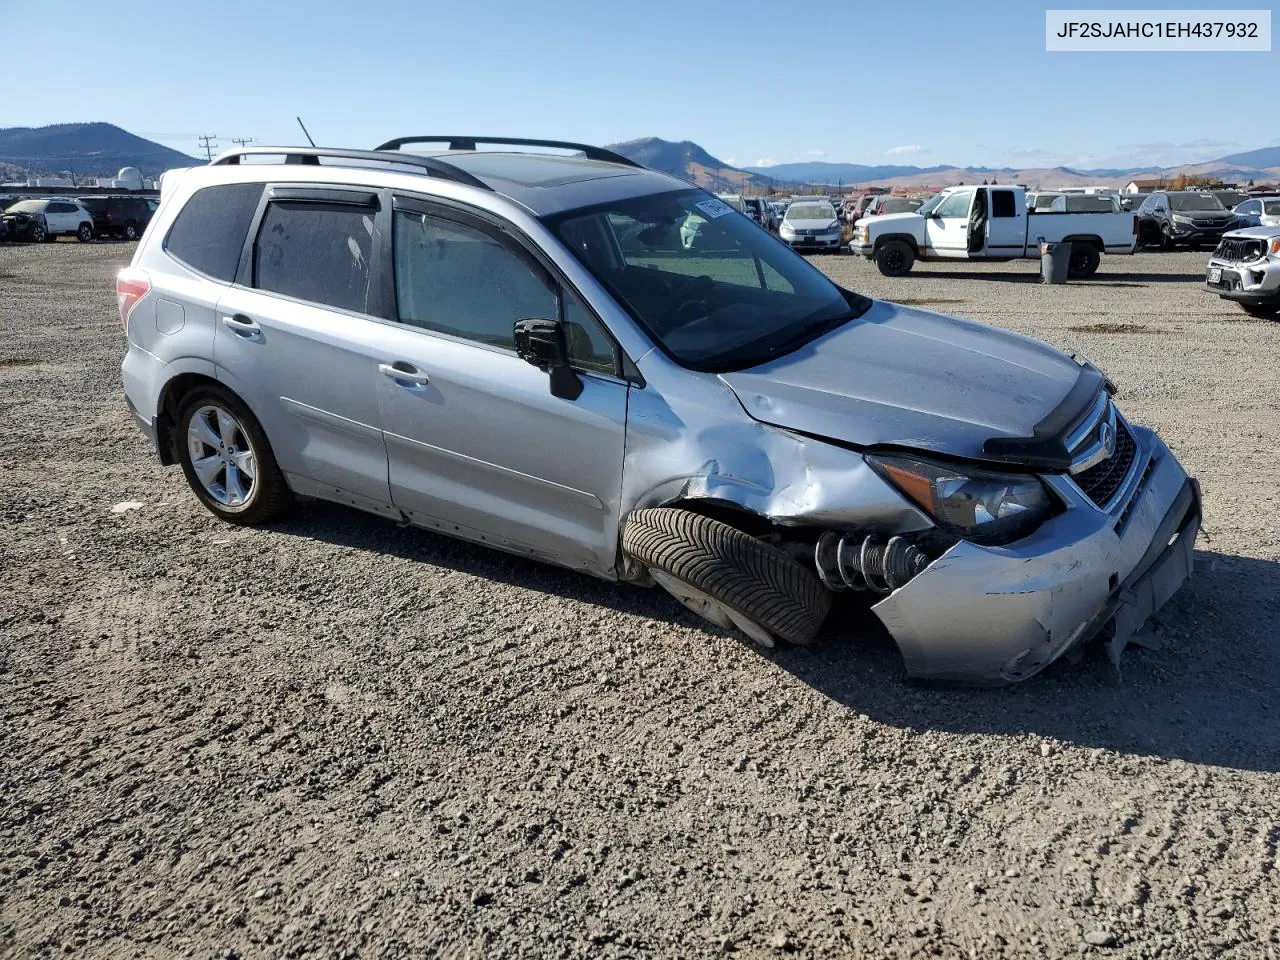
x=956 y=204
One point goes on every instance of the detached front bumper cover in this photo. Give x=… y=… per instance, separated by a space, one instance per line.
x=1001 y=614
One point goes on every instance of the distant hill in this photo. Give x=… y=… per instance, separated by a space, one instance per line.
x=689 y=161
x=817 y=171
x=1258 y=159
x=86 y=149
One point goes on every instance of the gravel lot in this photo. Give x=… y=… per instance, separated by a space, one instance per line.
x=338 y=737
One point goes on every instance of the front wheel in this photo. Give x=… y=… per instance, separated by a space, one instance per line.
x=85 y=233
x=1084 y=261
x=35 y=233
x=895 y=258
x=227 y=460
x=726 y=576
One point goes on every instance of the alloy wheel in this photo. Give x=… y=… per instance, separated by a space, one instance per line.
x=711 y=609
x=222 y=457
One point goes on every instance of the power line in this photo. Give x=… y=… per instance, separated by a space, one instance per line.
x=208 y=144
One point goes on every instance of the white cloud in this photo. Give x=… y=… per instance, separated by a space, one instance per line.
x=908 y=148
x=815 y=153
x=765 y=162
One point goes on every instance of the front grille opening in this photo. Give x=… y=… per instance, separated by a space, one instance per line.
x=1101 y=481
x=1239 y=249
x=1127 y=513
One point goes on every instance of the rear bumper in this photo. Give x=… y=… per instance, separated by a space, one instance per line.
x=1002 y=614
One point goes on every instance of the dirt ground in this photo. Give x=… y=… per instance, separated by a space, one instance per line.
x=337 y=737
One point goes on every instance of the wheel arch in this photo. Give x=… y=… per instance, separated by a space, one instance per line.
x=907 y=238
x=1090 y=238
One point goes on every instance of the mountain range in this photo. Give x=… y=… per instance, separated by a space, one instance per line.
x=86 y=149
x=690 y=161
x=100 y=149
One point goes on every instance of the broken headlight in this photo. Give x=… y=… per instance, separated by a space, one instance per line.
x=974 y=504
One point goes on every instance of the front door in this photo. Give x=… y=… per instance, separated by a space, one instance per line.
x=947 y=228
x=477 y=445
x=1006 y=229
x=297 y=339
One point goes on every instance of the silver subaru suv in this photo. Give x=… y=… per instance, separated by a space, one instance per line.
x=516 y=348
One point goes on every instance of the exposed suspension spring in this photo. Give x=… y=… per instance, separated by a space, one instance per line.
x=848 y=561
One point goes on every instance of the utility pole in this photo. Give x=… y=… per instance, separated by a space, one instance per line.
x=242 y=141
x=208 y=145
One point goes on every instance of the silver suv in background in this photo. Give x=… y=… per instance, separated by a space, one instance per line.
x=47 y=219
x=1245 y=268
x=520 y=350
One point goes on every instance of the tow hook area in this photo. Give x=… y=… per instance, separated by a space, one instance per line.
x=850 y=561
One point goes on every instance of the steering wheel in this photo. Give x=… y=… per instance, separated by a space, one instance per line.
x=686 y=295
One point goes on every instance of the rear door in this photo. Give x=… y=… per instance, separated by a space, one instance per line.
x=947 y=230
x=299 y=336
x=477 y=444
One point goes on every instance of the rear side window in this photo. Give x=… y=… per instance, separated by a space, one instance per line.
x=209 y=232
x=1002 y=204
x=316 y=251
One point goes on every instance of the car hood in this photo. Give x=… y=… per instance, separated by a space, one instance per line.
x=819 y=224
x=904 y=217
x=911 y=378
x=1263 y=232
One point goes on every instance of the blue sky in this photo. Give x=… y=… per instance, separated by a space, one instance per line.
x=964 y=83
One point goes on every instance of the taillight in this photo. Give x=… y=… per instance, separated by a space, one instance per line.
x=108 y=216
x=132 y=285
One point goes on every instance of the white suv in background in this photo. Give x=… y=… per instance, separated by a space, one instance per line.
x=47 y=219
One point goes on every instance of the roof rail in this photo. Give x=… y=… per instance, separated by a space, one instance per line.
x=310 y=156
x=469 y=143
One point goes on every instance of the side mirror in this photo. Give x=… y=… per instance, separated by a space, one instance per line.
x=542 y=343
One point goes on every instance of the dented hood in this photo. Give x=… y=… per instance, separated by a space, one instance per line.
x=911 y=378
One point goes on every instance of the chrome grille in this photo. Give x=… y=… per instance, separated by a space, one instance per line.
x=1101 y=481
x=1239 y=249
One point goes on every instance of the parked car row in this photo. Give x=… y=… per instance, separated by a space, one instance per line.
x=43 y=219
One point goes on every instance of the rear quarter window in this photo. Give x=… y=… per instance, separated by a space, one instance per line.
x=208 y=233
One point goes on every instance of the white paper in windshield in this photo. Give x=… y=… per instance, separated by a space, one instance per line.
x=713 y=208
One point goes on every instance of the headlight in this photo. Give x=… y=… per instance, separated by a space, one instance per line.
x=974 y=504
x=864 y=234
x=1178 y=218
x=786 y=228
x=833 y=226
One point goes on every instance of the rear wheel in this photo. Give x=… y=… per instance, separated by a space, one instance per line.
x=131 y=231
x=726 y=576
x=1084 y=261
x=895 y=258
x=227 y=460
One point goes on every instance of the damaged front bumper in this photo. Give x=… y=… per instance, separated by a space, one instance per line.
x=1001 y=614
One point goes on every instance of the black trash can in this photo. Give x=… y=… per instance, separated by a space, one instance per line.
x=1055 y=261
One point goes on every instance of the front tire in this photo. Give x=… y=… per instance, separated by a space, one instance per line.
x=895 y=258
x=85 y=233
x=1084 y=261
x=227 y=459
x=35 y=233
x=726 y=576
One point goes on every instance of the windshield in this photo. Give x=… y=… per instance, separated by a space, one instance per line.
x=926 y=208
x=713 y=290
x=811 y=211
x=898 y=205
x=26 y=206
x=1195 y=201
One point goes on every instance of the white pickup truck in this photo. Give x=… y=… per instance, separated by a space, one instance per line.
x=989 y=223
